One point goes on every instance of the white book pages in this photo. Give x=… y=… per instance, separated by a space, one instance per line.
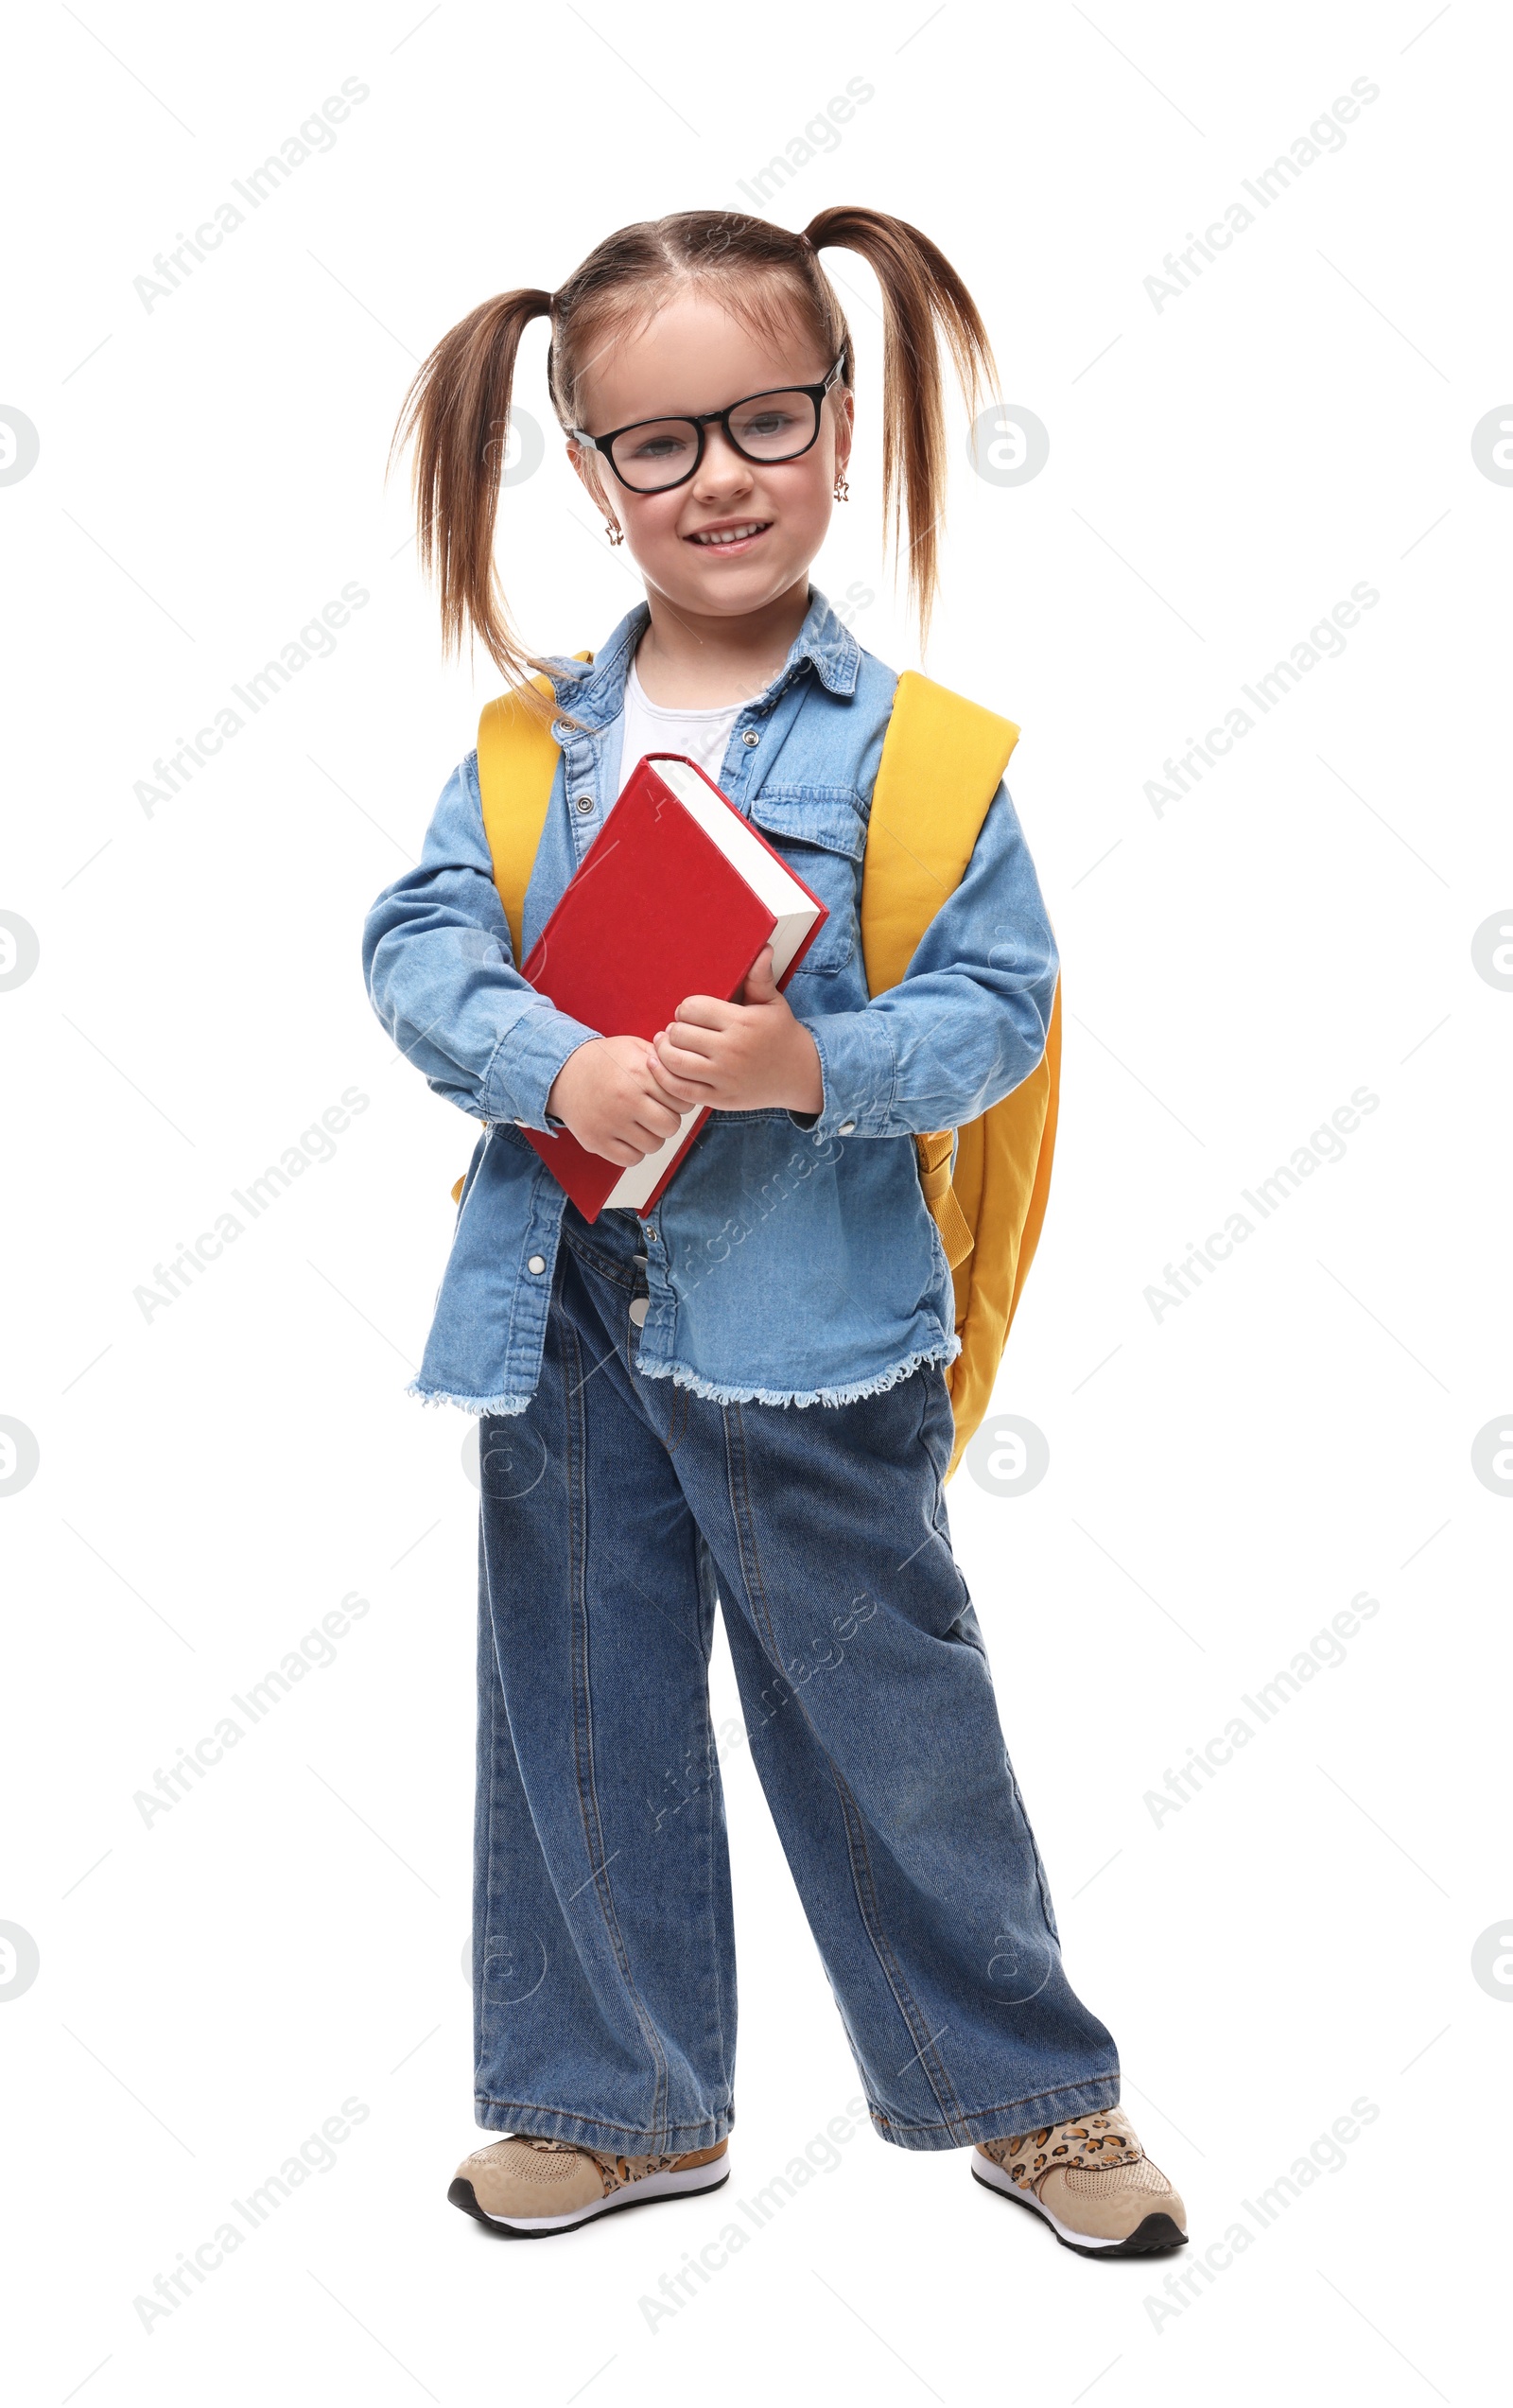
x=635 y=1184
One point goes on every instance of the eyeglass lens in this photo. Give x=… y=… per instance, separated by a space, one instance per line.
x=773 y=425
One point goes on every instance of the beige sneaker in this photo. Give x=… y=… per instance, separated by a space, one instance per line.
x=530 y=2187
x=1093 y=2184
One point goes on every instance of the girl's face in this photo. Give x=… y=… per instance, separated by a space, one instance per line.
x=693 y=357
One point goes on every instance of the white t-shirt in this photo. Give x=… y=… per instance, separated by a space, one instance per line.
x=652 y=727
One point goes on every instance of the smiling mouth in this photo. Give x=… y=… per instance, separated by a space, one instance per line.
x=717 y=538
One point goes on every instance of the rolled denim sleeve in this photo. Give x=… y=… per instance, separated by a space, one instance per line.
x=967 y=1022
x=437 y=959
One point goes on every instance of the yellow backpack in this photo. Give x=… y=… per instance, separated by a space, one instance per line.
x=942 y=760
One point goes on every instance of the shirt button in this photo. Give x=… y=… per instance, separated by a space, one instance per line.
x=639 y=1260
x=638 y=1309
x=537 y=1262
x=849 y=1128
x=582 y=802
x=751 y=737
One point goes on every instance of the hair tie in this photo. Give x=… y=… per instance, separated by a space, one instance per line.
x=808 y=245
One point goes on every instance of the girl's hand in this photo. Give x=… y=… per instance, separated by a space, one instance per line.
x=739 y=1057
x=609 y=1098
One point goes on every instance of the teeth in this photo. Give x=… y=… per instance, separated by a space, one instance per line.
x=731 y=535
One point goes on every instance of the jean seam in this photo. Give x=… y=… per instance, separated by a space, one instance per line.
x=915 y=2024
x=928 y=1449
x=1022 y=2110
x=1008 y=2107
x=706 y=1842
x=707 y=1851
x=678 y=1408
x=602 y=1263
x=481 y=1952
x=1042 y=1882
x=583 y=1716
x=607 y=2123
x=927 y=2054
x=939 y=1522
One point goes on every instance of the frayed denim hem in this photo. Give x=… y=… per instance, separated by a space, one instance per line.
x=719 y=1392
x=468 y=1404
x=610 y=2140
x=1000 y=2123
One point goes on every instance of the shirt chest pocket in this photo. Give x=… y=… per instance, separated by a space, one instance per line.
x=822 y=834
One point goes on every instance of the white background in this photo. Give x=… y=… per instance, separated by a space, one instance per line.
x=1221 y=1481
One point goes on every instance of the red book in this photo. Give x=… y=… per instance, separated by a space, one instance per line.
x=676 y=896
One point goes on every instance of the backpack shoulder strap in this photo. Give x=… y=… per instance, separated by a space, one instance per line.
x=518 y=762
x=941 y=760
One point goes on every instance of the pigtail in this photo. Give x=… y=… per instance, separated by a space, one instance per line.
x=458 y=407
x=921 y=294
x=456 y=413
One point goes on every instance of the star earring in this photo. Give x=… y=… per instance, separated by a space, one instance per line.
x=615 y=534
x=842 y=491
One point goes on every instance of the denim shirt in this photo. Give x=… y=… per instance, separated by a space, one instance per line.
x=791 y=1258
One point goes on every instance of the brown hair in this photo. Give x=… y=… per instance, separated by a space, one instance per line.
x=458 y=407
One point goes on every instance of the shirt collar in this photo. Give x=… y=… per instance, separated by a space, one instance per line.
x=594 y=691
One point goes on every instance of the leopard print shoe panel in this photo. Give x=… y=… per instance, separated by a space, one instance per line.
x=618 y=2171
x=1107 y=2138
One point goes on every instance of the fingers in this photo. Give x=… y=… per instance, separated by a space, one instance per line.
x=762 y=987
x=643 y=1136
x=690 y=1079
x=653 y=1114
x=708 y=1011
x=685 y=1095
x=694 y=1059
x=664 y=1085
x=658 y=1118
x=698 y=1046
x=641 y=1118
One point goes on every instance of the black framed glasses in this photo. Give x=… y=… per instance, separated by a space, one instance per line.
x=655 y=454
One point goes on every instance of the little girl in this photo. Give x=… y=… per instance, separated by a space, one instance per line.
x=741 y=1397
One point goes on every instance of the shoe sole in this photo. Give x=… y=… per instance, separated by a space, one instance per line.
x=1151 y=2237
x=649 y=2193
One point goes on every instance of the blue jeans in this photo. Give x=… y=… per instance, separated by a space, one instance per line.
x=617 y=1511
